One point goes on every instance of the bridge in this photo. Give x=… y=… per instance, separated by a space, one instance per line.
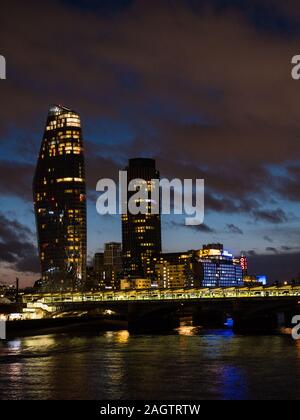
x=253 y=309
x=241 y=292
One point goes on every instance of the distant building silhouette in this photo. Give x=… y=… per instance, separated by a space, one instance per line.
x=99 y=270
x=112 y=265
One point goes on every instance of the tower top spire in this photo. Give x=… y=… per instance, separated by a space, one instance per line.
x=57 y=108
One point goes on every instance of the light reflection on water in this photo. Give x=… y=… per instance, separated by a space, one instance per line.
x=189 y=363
x=187 y=330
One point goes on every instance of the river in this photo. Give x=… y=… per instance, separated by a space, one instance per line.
x=188 y=363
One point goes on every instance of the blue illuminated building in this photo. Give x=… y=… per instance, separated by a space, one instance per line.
x=219 y=268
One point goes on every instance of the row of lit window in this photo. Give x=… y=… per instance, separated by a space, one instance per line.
x=64 y=136
x=69 y=179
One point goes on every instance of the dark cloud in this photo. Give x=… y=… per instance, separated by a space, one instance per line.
x=288 y=185
x=268 y=239
x=251 y=253
x=197 y=228
x=98 y=167
x=272 y=249
x=202 y=228
x=205 y=88
x=16 y=179
x=231 y=228
x=16 y=246
x=271 y=216
x=175 y=97
x=289 y=248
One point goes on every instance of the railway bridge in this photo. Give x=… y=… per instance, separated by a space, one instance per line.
x=253 y=309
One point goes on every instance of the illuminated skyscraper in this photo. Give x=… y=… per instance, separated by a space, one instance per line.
x=141 y=234
x=60 y=202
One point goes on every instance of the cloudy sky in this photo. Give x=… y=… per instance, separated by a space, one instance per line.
x=204 y=87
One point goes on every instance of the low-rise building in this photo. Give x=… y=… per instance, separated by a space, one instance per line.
x=138 y=283
x=219 y=268
x=170 y=275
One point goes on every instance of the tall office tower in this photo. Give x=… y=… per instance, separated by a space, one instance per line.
x=60 y=202
x=141 y=234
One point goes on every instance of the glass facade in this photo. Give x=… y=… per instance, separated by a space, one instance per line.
x=219 y=268
x=59 y=194
x=216 y=274
x=210 y=274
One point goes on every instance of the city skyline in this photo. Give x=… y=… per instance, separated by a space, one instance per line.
x=177 y=94
x=150 y=203
x=136 y=173
x=59 y=198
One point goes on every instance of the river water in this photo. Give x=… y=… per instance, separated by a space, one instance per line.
x=186 y=364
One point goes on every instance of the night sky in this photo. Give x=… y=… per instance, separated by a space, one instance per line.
x=204 y=87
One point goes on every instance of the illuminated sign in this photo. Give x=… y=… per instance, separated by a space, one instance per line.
x=227 y=254
x=214 y=253
x=262 y=279
x=244 y=263
x=210 y=253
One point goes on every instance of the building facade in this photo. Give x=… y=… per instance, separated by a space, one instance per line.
x=170 y=276
x=107 y=267
x=172 y=270
x=112 y=265
x=135 y=284
x=59 y=193
x=219 y=268
x=98 y=271
x=141 y=234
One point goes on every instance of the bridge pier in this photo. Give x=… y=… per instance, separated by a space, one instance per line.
x=268 y=318
x=256 y=324
x=152 y=318
x=209 y=318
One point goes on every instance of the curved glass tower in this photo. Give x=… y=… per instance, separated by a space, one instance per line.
x=59 y=195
